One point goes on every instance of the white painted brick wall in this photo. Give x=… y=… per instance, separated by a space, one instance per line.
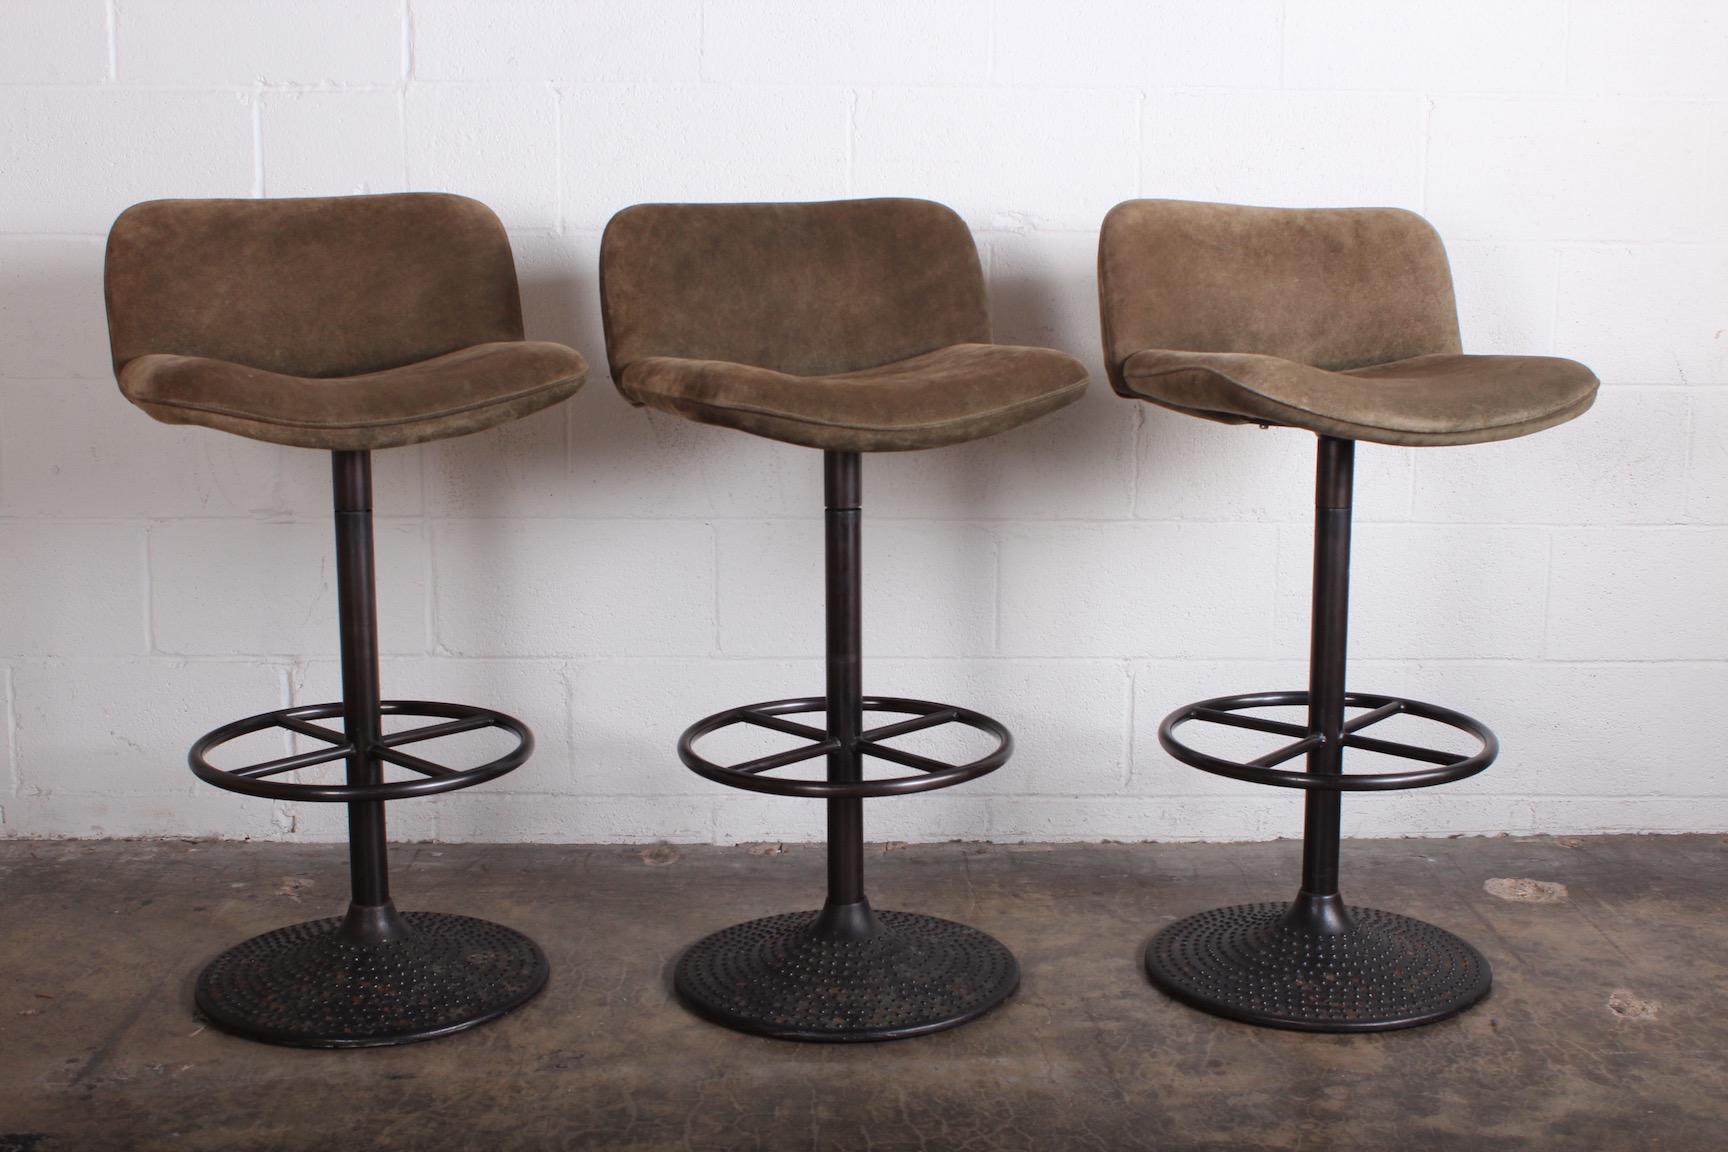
x=610 y=574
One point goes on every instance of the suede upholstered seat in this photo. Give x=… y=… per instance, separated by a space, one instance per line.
x=1339 y=321
x=343 y=323
x=853 y=326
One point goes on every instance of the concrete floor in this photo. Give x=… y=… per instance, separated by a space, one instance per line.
x=1607 y=1028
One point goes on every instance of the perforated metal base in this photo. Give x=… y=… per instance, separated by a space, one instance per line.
x=1248 y=963
x=776 y=977
x=306 y=986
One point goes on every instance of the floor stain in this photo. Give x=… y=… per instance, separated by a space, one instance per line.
x=1525 y=891
x=1629 y=1006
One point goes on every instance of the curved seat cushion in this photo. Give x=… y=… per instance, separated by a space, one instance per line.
x=954 y=394
x=1338 y=320
x=334 y=322
x=849 y=325
x=1426 y=400
x=459 y=392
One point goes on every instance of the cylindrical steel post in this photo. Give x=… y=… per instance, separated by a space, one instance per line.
x=357 y=614
x=842 y=501
x=1333 y=483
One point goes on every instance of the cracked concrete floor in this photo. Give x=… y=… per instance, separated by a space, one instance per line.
x=1607 y=1028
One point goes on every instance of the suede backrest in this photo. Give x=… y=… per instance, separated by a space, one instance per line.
x=810 y=289
x=1337 y=288
x=331 y=286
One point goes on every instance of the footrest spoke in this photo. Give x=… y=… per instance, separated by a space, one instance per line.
x=434 y=777
x=932 y=773
x=1227 y=711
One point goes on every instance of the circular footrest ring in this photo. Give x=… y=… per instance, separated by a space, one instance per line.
x=1226 y=710
x=925 y=714
x=252 y=780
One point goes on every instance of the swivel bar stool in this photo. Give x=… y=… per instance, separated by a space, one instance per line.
x=1341 y=322
x=851 y=327
x=344 y=324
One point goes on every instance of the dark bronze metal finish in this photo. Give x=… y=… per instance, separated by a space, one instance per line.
x=375 y=976
x=1316 y=964
x=845 y=972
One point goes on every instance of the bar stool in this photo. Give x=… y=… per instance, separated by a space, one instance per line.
x=1341 y=322
x=344 y=324
x=850 y=327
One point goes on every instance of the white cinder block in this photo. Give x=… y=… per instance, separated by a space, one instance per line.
x=556 y=40
x=1576 y=730
x=76 y=447
x=560 y=295
x=1551 y=168
x=477 y=815
x=1136 y=590
x=76 y=156
x=574 y=588
x=1194 y=469
x=248 y=587
x=925 y=818
x=1645 y=315
x=1128 y=44
x=202 y=812
x=846 y=42
x=1003 y=158
x=515 y=469
x=929 y=588
x=637 y=462
x=1462 y=46
x=1069 y=719
x=1620 y=463
x=1044 y=292
x=52 y=321
x=1707 y=462
x=1505 y=296
x=497 y=143
x=122 y=727
x=54 y=42
x=628 y=714
x=1136 y=819
x=1647 y=47
x=210 y=42
x=1296 y=149
x=1075 y=463
x=625 y=145
x=72 y=589
x=1420 y=591
x=1638 y=594
x=332 y=143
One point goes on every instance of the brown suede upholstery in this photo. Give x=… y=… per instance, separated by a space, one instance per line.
x=855 y=325
x=1340 y=321
x=352 y=322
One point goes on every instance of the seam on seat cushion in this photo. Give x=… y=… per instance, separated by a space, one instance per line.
x=414 y=418
x=1078 y=386
x=1321 y=415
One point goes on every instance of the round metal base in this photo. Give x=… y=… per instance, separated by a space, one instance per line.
x=777 y=977
x=1249 y=963
x=307 y=987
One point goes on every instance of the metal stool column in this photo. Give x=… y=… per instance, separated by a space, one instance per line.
x=1315 y=964
x=374 y=976
x=845 y=972
x=847 y=912
x=371 y=917
x=1318 y=905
